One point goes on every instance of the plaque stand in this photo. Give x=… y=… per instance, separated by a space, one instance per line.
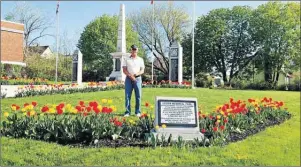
x=186 y=131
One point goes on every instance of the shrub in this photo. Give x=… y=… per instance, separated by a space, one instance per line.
x=202 y=80
x=11 y=70
x=40 y=67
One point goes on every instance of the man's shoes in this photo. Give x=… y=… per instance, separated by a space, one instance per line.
x=126 y=115
x=138 y=115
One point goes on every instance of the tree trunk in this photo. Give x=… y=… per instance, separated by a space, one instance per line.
x=267 y=70
x=276 y=78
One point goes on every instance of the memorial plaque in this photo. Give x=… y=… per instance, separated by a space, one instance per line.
x=180 y=116
x=177 y=113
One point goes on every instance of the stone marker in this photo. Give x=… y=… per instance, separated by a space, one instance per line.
x=176 y=62
x=180 y=115
x=117 y=73
x=77 y=67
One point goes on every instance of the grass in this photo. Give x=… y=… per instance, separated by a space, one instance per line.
x=276 y=146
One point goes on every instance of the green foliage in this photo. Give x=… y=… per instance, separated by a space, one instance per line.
x=39 y=67
x=98 y=40
x=230 y=39
x=11 y=70
x=223 y=41
x=276 y=28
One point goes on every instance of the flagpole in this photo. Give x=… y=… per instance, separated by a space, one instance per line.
x=193 y=17
x=57 y=42
x=153 y=16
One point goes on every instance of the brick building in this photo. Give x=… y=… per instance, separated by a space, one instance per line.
x=12 y=43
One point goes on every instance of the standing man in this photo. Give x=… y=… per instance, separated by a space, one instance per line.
x=133 y=68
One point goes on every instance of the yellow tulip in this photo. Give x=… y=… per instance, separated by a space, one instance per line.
x=32 y=112
x=14 y=108
x=68 y=106
x=157 y=127
x=163 y=126
x=110 y=101
x=151 y=107
x=6 y=114
x=99 y=107
x=218 y=117
x=25 y=113
x=23 y=109
x=104 y=101
x=132 y=121
x=52 y=110
x=30 y=107
x=218 y=121
x=74 y=110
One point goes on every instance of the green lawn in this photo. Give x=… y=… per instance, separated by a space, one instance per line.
x=277 y=146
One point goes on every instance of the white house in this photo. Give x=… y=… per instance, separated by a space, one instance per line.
x=43 y=51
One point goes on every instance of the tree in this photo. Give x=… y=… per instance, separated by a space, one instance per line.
x=223 y=42
x=169 y=25
x=35 y=24
x=99 y=39
x=276 y=28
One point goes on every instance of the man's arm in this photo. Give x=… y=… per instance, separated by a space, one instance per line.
x=140 y=72
x=126 y=72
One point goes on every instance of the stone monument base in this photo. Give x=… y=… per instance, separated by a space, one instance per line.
x=117 y=75
x=185 y=133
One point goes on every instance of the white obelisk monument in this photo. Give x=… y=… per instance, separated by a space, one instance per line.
x=117 y=73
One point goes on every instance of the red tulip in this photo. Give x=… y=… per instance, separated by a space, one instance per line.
x=225 y=121
x=222 y=127
x=79 y=108
x=26 y=104
x=82 y=103
x=62 y=105
x=45 y=109
x=214 y=129
x=88 y=109
x=118 y=123
x=34 y=103
x=146 y=104
x=17 y=107
x=203 y=131
x=96 y=110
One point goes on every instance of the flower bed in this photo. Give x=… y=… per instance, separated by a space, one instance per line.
x=51 y=89
x=95 y=123
x=167 y=84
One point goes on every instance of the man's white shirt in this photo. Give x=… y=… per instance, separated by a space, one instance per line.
x=133 y=65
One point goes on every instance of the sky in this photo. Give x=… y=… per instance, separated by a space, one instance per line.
x=75 y=15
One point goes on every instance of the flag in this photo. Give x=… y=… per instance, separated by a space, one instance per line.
x=57 y=7
x=152 y=1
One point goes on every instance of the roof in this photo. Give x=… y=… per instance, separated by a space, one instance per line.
x=37 y=49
